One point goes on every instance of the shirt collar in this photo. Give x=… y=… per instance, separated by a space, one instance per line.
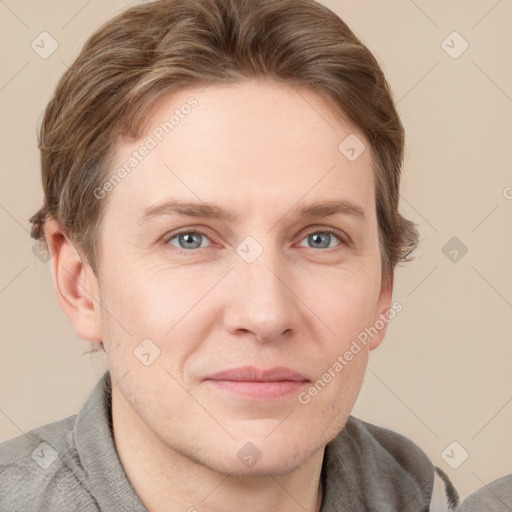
x=94 y=441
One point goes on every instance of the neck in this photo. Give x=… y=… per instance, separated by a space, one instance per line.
x=165 y=479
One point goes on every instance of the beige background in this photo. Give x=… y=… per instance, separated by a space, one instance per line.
x=443 y=373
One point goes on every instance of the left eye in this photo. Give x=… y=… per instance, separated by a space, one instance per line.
x=322 y=239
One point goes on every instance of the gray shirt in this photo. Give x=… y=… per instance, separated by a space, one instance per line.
x=72 y=465
x=493 y=497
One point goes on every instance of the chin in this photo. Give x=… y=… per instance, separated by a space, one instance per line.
x=261 y=457
x=276 y=465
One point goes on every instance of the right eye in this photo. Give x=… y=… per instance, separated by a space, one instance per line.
x=187 y=240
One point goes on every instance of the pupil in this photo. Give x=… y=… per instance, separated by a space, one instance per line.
x=317 y=238
x=189 y=238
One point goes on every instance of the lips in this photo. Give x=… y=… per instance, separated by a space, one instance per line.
x=251 y=374
x=256 y=384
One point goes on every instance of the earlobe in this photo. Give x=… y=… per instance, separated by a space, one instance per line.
x=382 y=310
x=75 y=284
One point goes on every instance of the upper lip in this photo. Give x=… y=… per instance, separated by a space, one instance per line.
x=250 y=373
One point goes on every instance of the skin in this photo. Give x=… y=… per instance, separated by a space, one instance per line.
x=259 y=149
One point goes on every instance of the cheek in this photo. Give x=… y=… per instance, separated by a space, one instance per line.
x=166 y=306
x=151 y=299
x=345 y=302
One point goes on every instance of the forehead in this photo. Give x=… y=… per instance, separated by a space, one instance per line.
x=245 y=144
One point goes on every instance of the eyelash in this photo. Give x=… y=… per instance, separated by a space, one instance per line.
x=343 y=240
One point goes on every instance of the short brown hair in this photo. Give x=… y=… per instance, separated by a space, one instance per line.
x=155 y=48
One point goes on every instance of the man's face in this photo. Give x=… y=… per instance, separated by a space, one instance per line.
x=267 y=288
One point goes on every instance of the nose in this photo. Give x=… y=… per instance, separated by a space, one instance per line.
x=262 y=301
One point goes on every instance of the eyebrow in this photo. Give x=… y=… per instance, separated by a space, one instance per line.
x=208 y=210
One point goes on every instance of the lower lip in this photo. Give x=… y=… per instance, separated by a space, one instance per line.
x=260 y=390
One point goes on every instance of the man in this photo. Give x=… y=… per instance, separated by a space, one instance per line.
x=221 y=207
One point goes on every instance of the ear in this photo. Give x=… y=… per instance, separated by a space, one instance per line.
x=75 y=284
x=382 y=308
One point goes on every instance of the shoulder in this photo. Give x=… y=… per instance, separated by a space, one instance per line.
x=495 y=497
x=408 y=456
x=401 y=470
x=42 y=467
